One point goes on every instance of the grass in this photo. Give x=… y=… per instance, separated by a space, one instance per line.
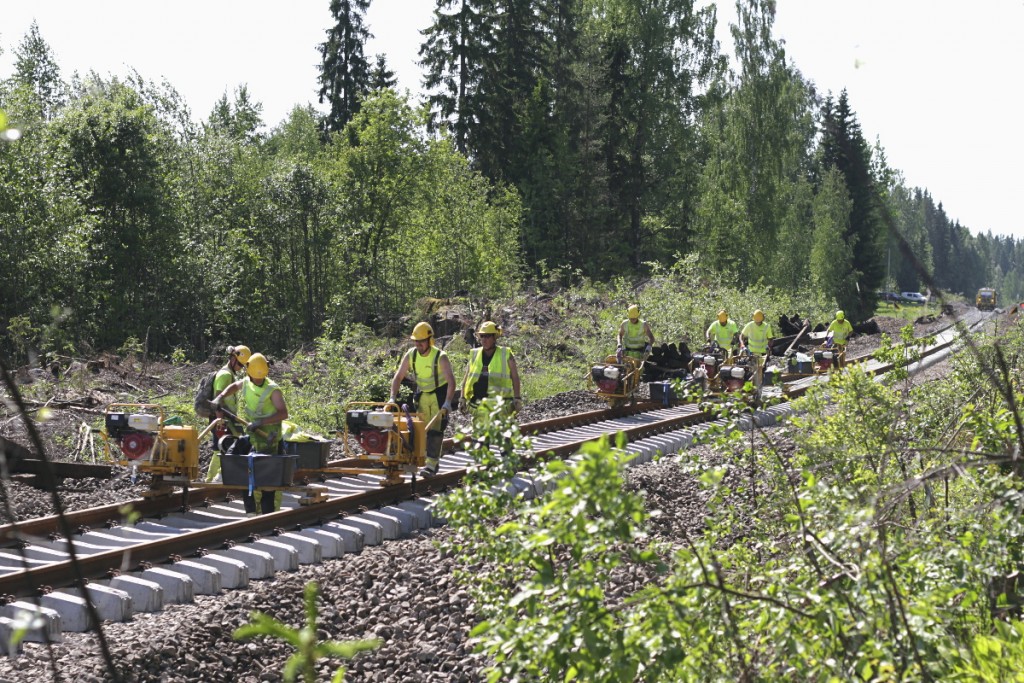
x=905 y=311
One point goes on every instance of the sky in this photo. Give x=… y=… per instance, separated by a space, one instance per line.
x=933 y=80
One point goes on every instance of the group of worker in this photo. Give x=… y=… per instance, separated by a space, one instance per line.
x=251 y=409
x=757 y=335
x=252 y=406
x=491 y=373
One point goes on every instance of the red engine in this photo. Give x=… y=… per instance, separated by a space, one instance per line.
x=135 y=445
x=373 y=440
x=735 y=376
x=371 y=428
x=711 y=364
x=608 y=378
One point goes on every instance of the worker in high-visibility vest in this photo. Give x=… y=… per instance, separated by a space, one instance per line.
x=840 y=329
x=429 y=367
x=635 y=336
x=491 y=372
x=724 y=331
x=756 y=337
x=262 y=407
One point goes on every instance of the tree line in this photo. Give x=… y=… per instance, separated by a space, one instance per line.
x=592 y=137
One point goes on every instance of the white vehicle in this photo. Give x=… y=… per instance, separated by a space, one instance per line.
x=914 y=298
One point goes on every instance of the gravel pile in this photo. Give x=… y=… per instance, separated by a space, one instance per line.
x=401 y=593
x=28 y=502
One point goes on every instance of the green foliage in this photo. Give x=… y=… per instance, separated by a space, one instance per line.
x=588 y=140
x=995 y=658
x=351 y=365
x=831 y=262
x=306 y=641
x=544 y=613
x=879 y=548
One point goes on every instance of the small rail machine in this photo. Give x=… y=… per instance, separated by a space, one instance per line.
x=615 y=381
x=136 y=435
x=391 y=437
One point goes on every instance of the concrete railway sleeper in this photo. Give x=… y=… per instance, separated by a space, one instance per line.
x=171 y=555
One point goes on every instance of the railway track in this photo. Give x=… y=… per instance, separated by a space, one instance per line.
x=173 y=552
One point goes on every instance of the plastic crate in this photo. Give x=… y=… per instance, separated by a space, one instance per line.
x=662 y=392
x=313 y=455
x=801 y=367
x=269 y=470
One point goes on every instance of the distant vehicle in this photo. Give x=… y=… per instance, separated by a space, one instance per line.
x=914 y=298
x=986 y=299
x=888 y=296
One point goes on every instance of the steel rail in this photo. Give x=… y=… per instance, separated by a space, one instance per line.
x=103 y=564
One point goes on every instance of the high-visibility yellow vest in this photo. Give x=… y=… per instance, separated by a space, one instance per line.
x=757 y=336
x=499 y=376
x=841 y=330
x=221 y=381
x=424 y=369
x=723 y=334
x=257 y=404
x=634 y=338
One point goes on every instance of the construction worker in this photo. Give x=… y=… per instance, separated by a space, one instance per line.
x=635 y=336
x=238 y=356
x=756 y=337
x=261 y=406
x=491 y=371
x=840 y=329
x=724 y=331
x=432 y=372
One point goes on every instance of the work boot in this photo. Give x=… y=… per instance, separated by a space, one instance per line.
x=431 y=467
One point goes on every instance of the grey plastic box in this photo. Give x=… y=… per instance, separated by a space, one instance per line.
x=269 y=470
x=313 y=455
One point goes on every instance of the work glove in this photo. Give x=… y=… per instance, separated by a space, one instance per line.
x=393 y=399
x=517 y=404
x=447 y=407
x=647 y=349
x=215 y=403
x=618 y=350
x=254 y=425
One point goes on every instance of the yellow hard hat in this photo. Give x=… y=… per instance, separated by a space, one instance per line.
x=488 y=327
x=257 y=366
x=242 y=353
x=840 y=315
x=633 y=312
x=422 y=331
x=723 y=316
x=758 y=315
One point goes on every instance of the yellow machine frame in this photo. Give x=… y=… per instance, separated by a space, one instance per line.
x=174 y=455
x=401 y=454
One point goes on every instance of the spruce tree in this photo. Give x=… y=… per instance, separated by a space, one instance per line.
x=344 y=70
x=35 y=67
x=452 y=55
x=843 y=148
x=382 y=77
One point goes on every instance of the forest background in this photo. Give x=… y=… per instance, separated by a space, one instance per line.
x=560 y=141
